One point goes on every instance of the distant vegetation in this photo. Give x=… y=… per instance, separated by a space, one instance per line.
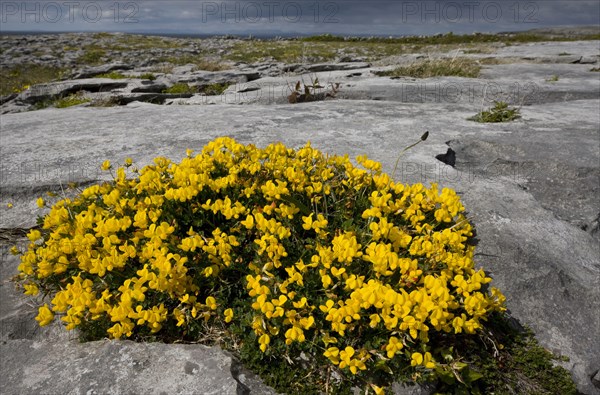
x=113 y=75
x=18 y=78
x=458 y=67
x=451 y=38
x=320 y=48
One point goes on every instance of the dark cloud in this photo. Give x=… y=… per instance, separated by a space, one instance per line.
x=347 y=17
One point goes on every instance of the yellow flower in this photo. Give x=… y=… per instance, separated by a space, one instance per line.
x=128 y=162
x=416 y=359
x=393 y=347
x=424 y=360
x=248 y=222
x=40 y=202
x=9 y=205
x=34 y=235
x=45 y=315
x=333 y=354
x=345 y=356
x=106 y=165
x=31 y=289
x=211 y=303
x=228 y=315
x=264 y=341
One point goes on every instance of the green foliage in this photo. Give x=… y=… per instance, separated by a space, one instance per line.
x=15 y=79
x=501 y=112
x=148 y=76
x=554 y=78
x=91 y=56
x=110 y=101
x=113 y=75
x=180 y=89
x=71 y=100
x=284 y=51
x=457 y=67
x=507 y=360
x=214 y=89
x=102 y=35
x=451 y=38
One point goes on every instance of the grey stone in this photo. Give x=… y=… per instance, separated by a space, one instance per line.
x=90 y=72
x=149 y=86
x=546 y=265
x=118 y=367
x=53 y=90
x=411 y=389
x=596 y=379
x=313 y=68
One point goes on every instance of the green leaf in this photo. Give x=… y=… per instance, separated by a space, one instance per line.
x=472 y=375
x=347 y=224
x=459 y=365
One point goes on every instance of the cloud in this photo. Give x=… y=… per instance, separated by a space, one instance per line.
x=347 y=17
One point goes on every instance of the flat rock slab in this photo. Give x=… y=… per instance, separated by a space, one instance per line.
x=117 y=367
x=536 y=249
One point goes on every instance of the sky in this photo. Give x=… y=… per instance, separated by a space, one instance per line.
x=295 y=17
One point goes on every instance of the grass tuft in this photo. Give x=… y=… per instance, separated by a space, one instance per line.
x=458 y=67
x=181 y=88
x=70 y=101
x=501 y=112
x=113 y=75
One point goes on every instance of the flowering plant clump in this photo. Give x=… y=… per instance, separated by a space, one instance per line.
x=288 y=252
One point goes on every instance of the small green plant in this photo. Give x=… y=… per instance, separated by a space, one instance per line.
x=110 y=101
x=91 y=56
x=564 y=54
x=312 y=92
x=148 y=76
x=113 y=75
x=214 y=89
x=180 y=89
x=501 y=112
x=457 y=67
x=71 y=100
x=554 y=78
x=472 y=51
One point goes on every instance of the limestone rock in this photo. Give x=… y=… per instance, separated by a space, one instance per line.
x=119 y=367
x=90 y=72
x=313 y=68
x=53 y=90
